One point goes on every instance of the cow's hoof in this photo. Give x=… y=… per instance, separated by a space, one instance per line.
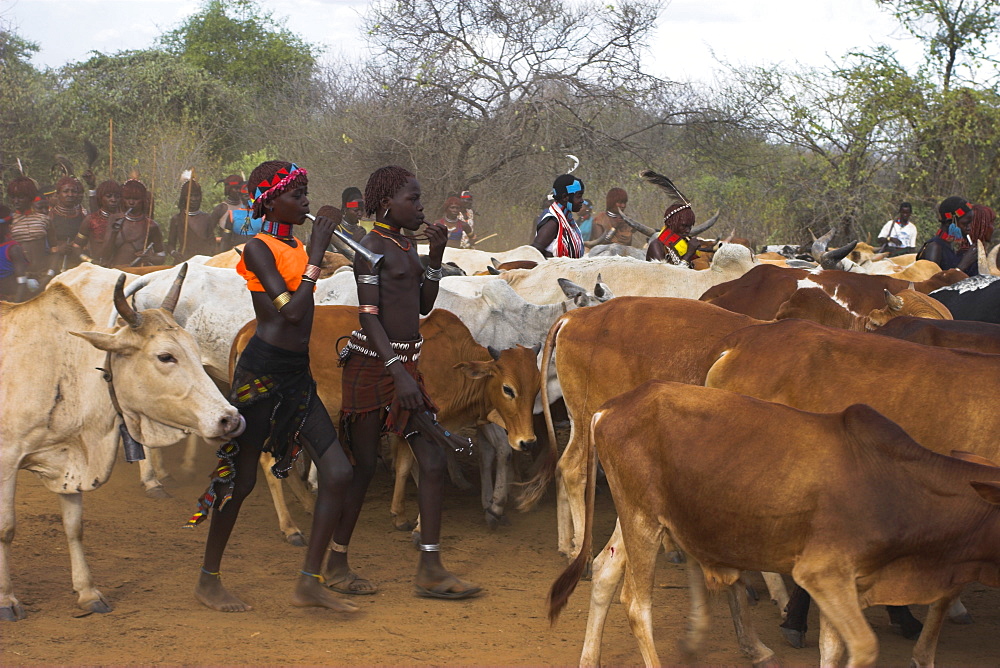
x=404 y=525
x=752 y=596
x=492 y=519
x=98 y=605
x=297 y=539
x=415 y=537
x=769 y=662
x=12 y=613
x=676 y=557
x=158 y=493
x=964 y=618
x=796 y=639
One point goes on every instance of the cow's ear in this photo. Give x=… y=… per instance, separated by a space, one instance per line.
x=475 y=370
x=107 y=342
x=571 y=289
x=988 y=490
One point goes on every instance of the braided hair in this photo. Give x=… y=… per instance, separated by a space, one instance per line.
x=384 y=183
x=266 y=171
x=677 y=214
x=182 y=199
x=981 y=228
x=109 y=187
x=614 y=196
x=22 y=186
x=134 y=188
x=69 y=179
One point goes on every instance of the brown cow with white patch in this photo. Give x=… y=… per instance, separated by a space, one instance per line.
x=761 y=291
x=723 y=479
x=472 y=386
x=816 y=305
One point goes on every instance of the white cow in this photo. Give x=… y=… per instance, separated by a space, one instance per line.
x=628 y=276
x=473 y=261
x=60 y=416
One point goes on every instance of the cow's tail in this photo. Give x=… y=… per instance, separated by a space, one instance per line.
x=566 y=583
x=531 y=491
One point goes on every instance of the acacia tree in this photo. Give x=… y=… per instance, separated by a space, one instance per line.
x=243 y=44
x=951 y=30
x=500 y=81
x=849 y=125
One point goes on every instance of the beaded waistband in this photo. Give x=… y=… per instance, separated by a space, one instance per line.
x=407 y=351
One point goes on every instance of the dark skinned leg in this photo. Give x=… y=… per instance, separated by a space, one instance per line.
x=319 y=437
x=209 y=589
x=433 y=579
x=365 y=432
x=794 y=627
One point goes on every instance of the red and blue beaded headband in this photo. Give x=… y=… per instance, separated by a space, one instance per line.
x=958 y=213
x=266 y=190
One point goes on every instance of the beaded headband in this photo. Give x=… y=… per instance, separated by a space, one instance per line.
x=266 y=190
x=680 y=208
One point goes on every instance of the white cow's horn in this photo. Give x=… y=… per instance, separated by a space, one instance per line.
x=174 y=295
x=124 y=309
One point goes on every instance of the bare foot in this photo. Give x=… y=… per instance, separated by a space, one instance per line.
x=211 y=593
x=310 y=592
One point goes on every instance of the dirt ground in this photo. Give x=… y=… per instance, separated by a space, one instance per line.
x=146 y=566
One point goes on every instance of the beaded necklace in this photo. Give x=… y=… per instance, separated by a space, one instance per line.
x=394 y=230
x=282 y=231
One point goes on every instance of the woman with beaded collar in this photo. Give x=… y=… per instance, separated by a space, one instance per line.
x=136 y=239
x=274 y=390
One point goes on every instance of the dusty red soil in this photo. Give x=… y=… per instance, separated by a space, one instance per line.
x=146 y=565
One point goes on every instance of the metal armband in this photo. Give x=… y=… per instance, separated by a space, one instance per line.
x=433 y=274
x=368 y=279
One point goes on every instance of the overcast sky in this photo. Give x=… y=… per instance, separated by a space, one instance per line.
x=688 y=33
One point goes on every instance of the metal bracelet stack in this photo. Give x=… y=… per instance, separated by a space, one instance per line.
x=432 y=274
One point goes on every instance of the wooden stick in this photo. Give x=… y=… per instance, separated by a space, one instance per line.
x=187 y=207
x=152 y=185
x=111 y=148
x=479 y=241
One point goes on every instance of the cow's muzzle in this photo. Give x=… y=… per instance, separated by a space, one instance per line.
x=527 y=446
x=234 y=426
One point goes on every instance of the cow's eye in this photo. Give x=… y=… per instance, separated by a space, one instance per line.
x=166 y=358
x=509 y=391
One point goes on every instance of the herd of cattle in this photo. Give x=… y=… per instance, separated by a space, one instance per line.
x=832 y=420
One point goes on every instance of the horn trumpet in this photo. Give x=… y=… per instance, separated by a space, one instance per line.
x=636 y=225
x=124 y=309
x=698 y=229
x=174 y=295
x=350 y=248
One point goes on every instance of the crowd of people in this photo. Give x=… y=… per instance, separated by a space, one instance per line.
x=558 y=233
x=44 y=231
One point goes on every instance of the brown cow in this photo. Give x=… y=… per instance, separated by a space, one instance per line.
x=669 y=340
x=801 y=505
x=760 y=292
x=472 y=386
x=654 y=338
x=983 y=337
x=816 y=305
